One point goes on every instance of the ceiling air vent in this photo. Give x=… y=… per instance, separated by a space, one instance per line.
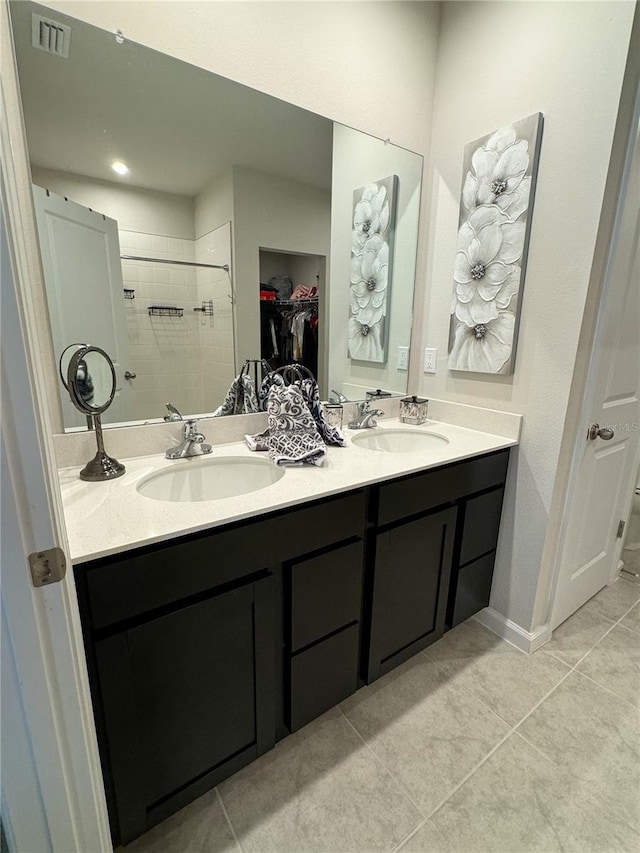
x=50 y=36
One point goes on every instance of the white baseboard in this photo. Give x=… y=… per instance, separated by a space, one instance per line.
x=526 y=641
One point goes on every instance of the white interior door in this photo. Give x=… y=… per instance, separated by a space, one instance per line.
x=83 y=277
x=607 y=467
x=52 y=790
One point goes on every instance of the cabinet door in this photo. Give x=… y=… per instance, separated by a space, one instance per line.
x=180 y=699
x=411 y=581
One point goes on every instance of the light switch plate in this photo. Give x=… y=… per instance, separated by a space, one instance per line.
x=403 y=358
x=430 y=359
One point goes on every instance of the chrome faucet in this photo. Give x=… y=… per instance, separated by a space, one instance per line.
x=172 y=413
x=192 y=443
x=365 y=416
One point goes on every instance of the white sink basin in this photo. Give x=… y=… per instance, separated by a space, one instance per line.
x=399 y=440
x=210 y=479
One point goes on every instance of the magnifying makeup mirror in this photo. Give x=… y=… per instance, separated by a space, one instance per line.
x=63 y=369
x=91 y=383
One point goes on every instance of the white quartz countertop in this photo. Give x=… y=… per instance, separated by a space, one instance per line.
x=110 y=517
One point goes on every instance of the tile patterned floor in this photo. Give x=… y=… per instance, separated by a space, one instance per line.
x=470 y=746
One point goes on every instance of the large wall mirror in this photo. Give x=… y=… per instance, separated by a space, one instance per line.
x=180 y=214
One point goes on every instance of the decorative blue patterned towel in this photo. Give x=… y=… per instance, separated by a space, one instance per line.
x=293 y=436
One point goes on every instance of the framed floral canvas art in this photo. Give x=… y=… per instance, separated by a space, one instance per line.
x=498 y=188
x=374 y=216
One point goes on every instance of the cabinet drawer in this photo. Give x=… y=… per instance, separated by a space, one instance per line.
x=472 y=590
x=416 y=494
x=481 y=525
x=326 y=593
x=158 y=575
x=323 y=675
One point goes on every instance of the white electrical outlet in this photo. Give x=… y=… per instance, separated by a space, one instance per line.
x=403 y=358
x=430 y=359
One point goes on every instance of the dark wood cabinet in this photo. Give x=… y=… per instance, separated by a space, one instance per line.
x=410 y=586
x=204 y=650
x=186 y=700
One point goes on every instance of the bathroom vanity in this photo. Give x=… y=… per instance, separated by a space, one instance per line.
x=205 y=649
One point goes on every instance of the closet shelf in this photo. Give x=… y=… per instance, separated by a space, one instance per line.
x=293 y=302
x=165 y=311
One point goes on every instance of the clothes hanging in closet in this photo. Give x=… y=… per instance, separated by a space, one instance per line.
x=289 y=332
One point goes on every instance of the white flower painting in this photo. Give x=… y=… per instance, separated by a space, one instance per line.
x=493 y=238
x=374 y=208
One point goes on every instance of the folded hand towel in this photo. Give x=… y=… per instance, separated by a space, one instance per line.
x=241 y=398
x=293 y=436
x=259 y=441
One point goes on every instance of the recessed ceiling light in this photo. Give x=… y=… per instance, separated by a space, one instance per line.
x=120 y=167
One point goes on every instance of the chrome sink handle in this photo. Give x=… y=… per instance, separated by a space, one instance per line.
x=192 y=444
x=366 y=417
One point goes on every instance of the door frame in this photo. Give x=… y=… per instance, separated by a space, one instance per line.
x=587 y=362
x=42 y=625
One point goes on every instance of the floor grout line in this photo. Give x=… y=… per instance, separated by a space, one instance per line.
x=537 y=749
x=228 y=819
x=513 y=730
x=597 y=643
x=424 y=823
x=606 y=689
x=384 y=766
x=411 y=834
x=587 y=792
x=441 y=834
x=470 y=774
x=625 y=627
x=466 y=690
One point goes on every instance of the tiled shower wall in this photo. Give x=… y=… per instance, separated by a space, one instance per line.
x=172 y=356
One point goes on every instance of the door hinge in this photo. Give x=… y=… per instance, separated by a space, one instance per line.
x=47 y=566
x=621 y=527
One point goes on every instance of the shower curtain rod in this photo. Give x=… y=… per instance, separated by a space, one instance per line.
x=180 y=263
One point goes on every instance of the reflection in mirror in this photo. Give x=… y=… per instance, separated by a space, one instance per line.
x=228 y=193
x=65 y=358
x=94 y=381
x=91 y=383
x=91 y=380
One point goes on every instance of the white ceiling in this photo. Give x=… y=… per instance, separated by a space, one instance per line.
x=175 y=125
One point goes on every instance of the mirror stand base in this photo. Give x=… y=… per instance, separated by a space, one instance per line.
x=102 y=467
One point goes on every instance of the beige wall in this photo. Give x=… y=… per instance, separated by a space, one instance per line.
x=214 y=204
x=567 y=61
x=366 y=64
x=134 y=208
